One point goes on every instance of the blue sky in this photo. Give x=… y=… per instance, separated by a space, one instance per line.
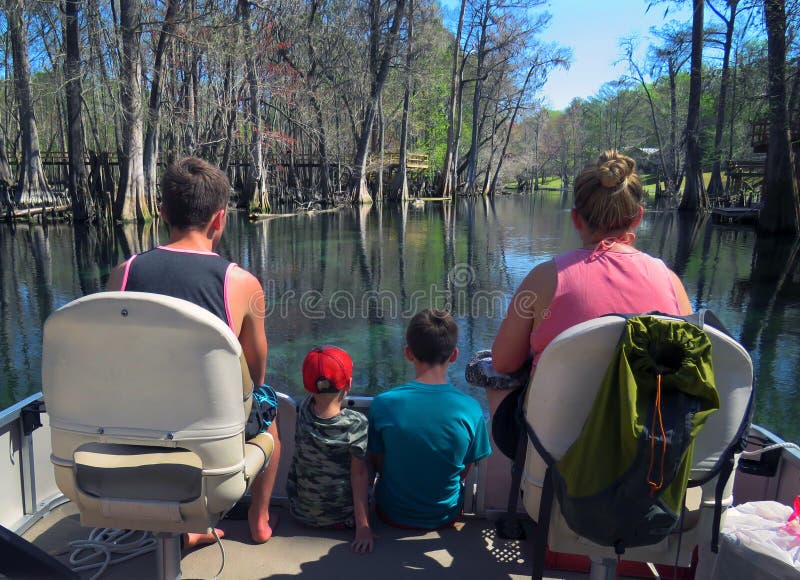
x=592 y=29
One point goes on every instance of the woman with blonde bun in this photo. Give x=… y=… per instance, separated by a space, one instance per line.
x=605 y=274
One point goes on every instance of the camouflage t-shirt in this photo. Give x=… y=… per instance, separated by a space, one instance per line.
x=319 y=487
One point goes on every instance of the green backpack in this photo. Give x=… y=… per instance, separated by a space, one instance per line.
x=622 y=483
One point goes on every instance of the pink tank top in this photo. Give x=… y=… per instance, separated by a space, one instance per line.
x=591 y=284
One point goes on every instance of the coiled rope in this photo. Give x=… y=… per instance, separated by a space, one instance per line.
x=103 y=544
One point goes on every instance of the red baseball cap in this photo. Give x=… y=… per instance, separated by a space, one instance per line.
x=327 y=369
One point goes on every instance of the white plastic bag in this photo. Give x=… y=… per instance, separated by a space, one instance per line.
x=757 y=542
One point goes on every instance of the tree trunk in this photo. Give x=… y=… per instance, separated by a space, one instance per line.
x=82 y=207
x=448 y=174
x=496 y=178
x=190 y=88
x=472 y=162
x=6 y=176
x=32 y=187
x=359 y=192
x=132 y=202
x=254 y=196
x=662 y=158
x=154 y=101
x=232 y=94
x=455 y=169
x=399 y=189
x=715 y=186
x=780 y=213
x=671 y=177
x=694 y=198
x=492 y=152
x=794 y=95
x=311 y=84
x=322 y=148
x=100 y=56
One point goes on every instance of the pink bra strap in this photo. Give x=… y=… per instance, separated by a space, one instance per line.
x=127 y=271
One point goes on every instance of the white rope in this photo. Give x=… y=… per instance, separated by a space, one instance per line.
x=222 y=549
x=104 y=543
x=784 y=445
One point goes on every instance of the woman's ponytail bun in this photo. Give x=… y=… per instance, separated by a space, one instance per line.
x=613 y=169
x=608 y=193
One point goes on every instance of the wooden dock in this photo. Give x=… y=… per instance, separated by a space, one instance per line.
x=735 y=214
x=413 y=160
x=254 y=217
x=46 y=211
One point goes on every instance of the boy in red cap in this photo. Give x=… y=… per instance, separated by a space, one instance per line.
x=329 y=479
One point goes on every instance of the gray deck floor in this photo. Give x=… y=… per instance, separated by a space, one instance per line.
x=471 y=551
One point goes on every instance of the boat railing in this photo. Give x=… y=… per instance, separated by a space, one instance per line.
x=474 y=485
x=769 y=475
x=27 y=483
x=28 y=486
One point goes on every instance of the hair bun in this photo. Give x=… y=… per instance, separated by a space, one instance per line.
x=613 y=169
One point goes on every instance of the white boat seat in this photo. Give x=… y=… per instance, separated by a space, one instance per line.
x=559 y=399
x=148 y=397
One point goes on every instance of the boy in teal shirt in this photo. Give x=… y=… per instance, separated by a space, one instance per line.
x=425 y=435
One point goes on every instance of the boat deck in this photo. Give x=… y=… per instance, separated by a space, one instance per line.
x=471 y=550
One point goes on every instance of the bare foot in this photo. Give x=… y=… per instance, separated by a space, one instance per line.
x=190 y=541
x=261 y=525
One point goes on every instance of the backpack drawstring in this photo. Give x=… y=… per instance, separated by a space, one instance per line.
x=654 y=487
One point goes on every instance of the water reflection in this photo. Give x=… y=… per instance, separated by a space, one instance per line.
x=355 y=276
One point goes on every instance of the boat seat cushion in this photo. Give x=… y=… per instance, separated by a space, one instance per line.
x=136 y=472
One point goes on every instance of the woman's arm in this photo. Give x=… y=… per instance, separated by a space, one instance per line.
x=248 y=311
x=680 y=293
x=359 y=480
x=116 y=276
x=511 y=346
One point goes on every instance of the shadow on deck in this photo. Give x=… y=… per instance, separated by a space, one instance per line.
x=470 y=551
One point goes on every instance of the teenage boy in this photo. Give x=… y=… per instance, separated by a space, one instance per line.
x=425 y=435
x=194 y=203
x=328 y=481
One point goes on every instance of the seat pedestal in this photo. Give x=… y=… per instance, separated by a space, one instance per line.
x=603 y=569
x=168 y=556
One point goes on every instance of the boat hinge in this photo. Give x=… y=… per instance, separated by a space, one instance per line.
x=31 y=416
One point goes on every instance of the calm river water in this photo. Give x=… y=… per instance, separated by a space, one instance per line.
x=354 y=277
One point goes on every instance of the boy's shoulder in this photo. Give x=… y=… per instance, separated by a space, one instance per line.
x=355 y=418
x=468 y=402
x=399 y=391
x=391 y=392
x=447 y=391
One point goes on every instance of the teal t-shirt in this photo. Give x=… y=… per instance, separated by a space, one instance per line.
x=428 y=434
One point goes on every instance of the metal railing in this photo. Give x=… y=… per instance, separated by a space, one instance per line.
x=25 y=496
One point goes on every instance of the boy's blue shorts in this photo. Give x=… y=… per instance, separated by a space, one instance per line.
x=263 y=411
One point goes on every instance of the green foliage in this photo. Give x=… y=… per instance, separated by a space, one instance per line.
x=431 y=92
x=637 y=119
x=320 y=63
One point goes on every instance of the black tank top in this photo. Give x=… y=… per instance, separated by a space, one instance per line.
x=199 y=277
